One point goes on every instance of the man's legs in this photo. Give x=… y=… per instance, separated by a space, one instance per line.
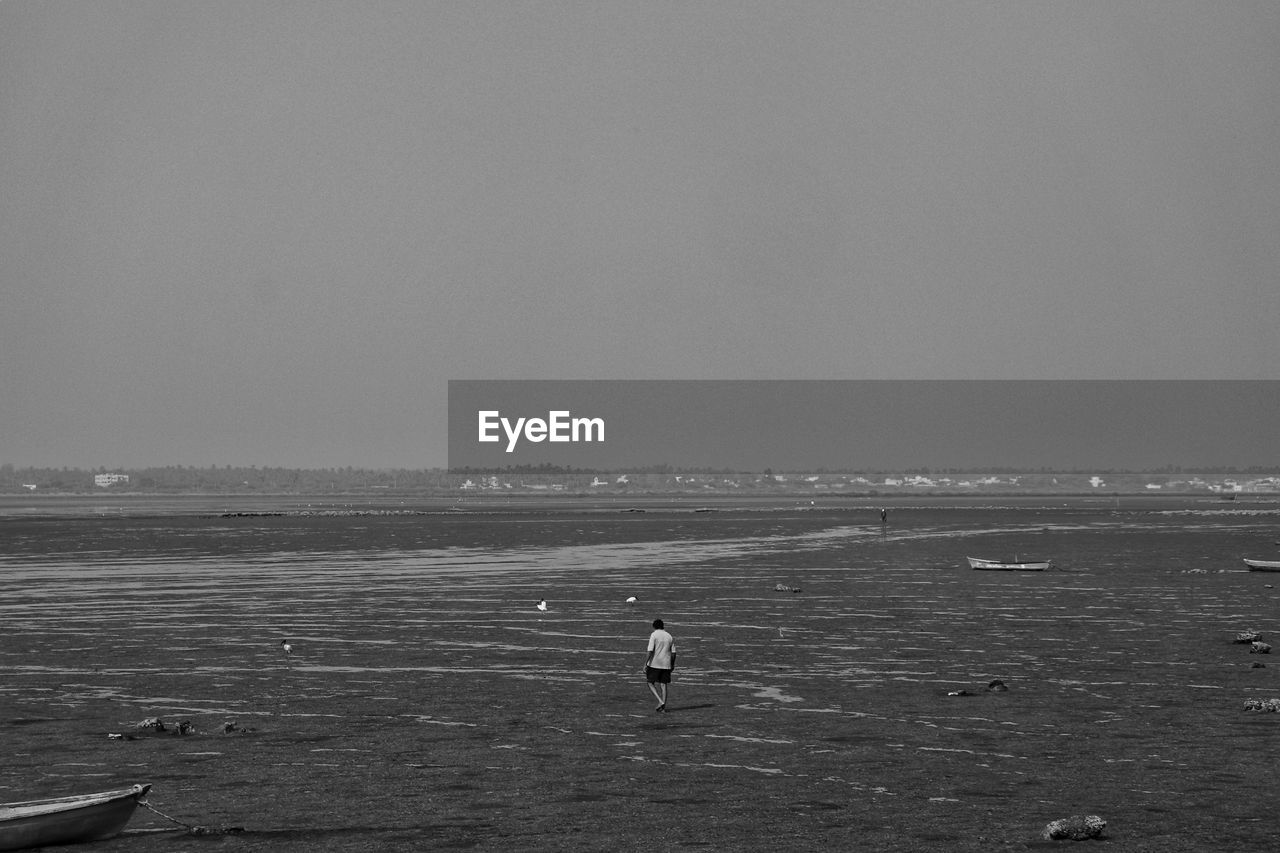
x=659 y=690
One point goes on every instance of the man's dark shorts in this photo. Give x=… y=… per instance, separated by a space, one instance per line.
x=657 y=676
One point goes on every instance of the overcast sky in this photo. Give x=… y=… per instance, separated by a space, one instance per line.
x=270 y=233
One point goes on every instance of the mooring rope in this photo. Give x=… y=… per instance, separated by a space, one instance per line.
x=163 y=815
x=193 y=830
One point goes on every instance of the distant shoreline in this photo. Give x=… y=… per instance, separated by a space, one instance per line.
x=439 y=484
x=536 y=495
x=439 y=503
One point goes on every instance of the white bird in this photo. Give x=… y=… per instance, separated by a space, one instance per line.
x=631 y=600
x=542 y=604
x=285 y=647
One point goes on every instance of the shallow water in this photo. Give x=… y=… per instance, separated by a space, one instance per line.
x=857 y=699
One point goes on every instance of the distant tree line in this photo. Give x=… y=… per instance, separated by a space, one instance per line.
x=227 y=478
x=241 y=479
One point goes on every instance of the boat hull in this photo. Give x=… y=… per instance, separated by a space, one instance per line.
x=68 y=820
x=1007 y=566
x=1263 y=565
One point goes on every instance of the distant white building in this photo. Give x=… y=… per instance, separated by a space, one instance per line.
x=1095 y=481
x=105 y=480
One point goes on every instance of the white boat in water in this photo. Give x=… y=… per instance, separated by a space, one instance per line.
x=1262 y=565
x=1014 y=565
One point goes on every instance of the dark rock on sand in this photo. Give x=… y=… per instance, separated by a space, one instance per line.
x=994 y=686
x=215 y=830
x=1259 y=648
x=1246 y=637
x=1272 y=705
x=157 y=725
x=1075 y=828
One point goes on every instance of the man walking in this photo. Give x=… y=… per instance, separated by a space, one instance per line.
x=659 y=663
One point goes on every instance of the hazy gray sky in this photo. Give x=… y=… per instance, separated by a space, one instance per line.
x=269 y=233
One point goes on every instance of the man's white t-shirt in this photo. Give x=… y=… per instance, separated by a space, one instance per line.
x=663 y=646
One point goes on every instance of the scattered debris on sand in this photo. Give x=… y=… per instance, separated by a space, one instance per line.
x=158 y=726
x=1272 y=705
x=1074 y=828
x=993 y=686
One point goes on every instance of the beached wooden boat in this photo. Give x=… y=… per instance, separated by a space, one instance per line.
x=67 y=820
x=1262 y=565
x=1014 y=565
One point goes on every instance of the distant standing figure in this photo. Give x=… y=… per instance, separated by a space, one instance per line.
x=659 y=664
x=884 y=516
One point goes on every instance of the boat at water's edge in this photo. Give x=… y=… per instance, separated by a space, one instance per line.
x=1262 y=565
x=1014 y=565
x=68 y=820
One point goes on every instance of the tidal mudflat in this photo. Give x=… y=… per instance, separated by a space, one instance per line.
x=831 y=688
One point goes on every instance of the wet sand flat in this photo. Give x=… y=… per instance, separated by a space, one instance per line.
x=831 y=687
